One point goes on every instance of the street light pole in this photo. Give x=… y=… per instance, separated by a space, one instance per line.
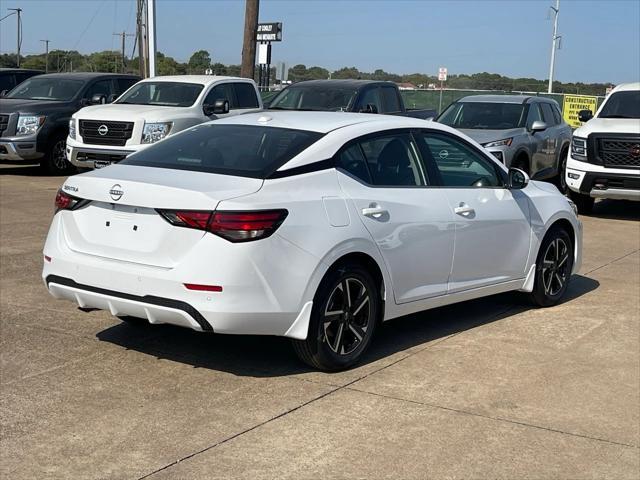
x=556 y=11
x=18 y=11
x=46 y=65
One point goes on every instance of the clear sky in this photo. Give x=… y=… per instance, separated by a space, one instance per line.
x=601 y=38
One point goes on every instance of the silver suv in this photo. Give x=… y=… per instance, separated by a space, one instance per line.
x=521 y=131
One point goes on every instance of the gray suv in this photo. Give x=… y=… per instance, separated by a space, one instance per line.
x=521 y=131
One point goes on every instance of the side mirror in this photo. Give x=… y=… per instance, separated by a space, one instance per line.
x=369 y=108
x=517 y=179
x=98 y=99
x=538 y=126
x=585 y=115
x=430 y=119
x=220 y=107
x=112 y=98
x=3 y=93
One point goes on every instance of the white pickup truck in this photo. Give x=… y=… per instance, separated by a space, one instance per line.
x=604 y=161
x=151 y=110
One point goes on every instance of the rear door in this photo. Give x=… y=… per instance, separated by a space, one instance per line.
x=492 y=233
x=410 y=222
x=554 y=139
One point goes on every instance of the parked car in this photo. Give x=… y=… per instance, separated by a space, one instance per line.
x=605 y=151
x=34 y=116
x=152 y=110
x=364 y=96
x=10 y=77
x=521 y=131
x=314 y=226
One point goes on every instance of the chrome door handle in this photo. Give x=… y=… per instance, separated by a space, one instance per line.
x=464 y=210
x=374 y=212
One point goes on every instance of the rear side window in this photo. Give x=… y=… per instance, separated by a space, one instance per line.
x=548 y=114
x=393 y=161
x=240 y=150
x=246 y=95
x=7 y=81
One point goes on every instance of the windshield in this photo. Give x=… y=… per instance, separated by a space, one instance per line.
x=321 y=99
x=163 y=94
x=240 y=150
x=38 y=88
x=622 y=105
x=484 y=115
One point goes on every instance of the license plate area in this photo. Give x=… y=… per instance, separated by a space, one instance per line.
x=101 y=163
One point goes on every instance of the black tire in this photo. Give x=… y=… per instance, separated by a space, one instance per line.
x=55 y=161
x=583 y=202
x=561 y=180
x=522 y=163
x=553 y=268
x=135 y=321
x=337 y=341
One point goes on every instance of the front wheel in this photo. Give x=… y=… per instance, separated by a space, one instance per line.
x=55 y=161
x=553 y=268
x=343 y=319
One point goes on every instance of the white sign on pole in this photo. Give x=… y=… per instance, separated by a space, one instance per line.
x=442 y=74
x=263 y=52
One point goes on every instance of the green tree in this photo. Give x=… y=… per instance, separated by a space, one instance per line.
x=199 y=62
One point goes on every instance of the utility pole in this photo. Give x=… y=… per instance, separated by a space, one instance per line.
x=18 y=11
x=123 y=37
x=142 y=37
x=46 y=65
x=556 y=37
x=249 y=42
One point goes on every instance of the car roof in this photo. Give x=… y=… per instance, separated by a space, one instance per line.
x=626 y=87
x=321 y=122
x=519 y=99
x=18 y=70
x=340 y=83
x=201 y=79
x=87 y=75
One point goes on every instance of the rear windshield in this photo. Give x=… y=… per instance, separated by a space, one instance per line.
x=484 y=115
x=162 y=94
x=622 y=105
x=240 y=150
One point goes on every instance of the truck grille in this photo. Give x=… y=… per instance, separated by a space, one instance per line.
x=105 y=133
x=619 y=152
x=4 y=121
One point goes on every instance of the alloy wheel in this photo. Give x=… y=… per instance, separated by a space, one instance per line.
x=347 y=316
x=555 y=267
x=58 y=156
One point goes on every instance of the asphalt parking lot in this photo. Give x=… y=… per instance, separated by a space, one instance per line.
x=485 y=389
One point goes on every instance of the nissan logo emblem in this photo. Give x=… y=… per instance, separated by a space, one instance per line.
x=103 y=130
x=116 y=192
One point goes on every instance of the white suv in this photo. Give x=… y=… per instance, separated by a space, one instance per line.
x=152 y=110
x=605 y=152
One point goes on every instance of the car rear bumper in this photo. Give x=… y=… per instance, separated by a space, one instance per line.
x=603 y=182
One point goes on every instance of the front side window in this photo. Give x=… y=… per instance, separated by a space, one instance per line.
x=534 y=114
x=352 y=161
x=390 y=100
x=246 y=95
x=124 y=84
x=458 y=164
x=240 y=150
x=371 y=96
x=484 y=115
x=223 y=91
x=38 y=88
x=556 y=114
x=548 y=114
x=393 y=161
x=622 y=105
x=325 y=99
x=162 y=94
x=101 y=87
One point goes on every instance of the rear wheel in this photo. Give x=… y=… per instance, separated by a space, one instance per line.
x=343 y=319
x=55 y=161
x=553 y=268
x=583 y=202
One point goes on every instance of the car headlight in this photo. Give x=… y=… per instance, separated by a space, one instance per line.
x=506 y=142
x=154 y=132
x=579 y=149
x=72 y=128
x=29 y=124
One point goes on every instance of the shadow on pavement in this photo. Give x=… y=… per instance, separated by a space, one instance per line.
x=263 y=356
x=616 y=210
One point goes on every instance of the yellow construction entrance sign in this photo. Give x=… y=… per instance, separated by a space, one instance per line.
x=572 y=104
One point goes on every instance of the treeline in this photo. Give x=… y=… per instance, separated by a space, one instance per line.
x=200 y=61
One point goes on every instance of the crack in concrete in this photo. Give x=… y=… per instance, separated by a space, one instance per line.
x=612 y=261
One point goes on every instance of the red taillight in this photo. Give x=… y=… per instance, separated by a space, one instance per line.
x=64 y=201
x=232 y=226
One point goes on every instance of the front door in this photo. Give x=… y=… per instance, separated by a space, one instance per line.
x=492 y=222
x=409 y=220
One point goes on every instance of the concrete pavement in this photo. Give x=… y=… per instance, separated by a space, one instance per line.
x=485 y=389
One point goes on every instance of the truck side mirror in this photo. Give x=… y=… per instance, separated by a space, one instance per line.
x=369 y=108
x=98 y=99
x=220 y=107
x=585 y=115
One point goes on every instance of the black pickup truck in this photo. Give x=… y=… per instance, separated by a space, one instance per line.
x=34 y=116
x=365 y=96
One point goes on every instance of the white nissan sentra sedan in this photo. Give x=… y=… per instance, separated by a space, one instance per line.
x=309 y=225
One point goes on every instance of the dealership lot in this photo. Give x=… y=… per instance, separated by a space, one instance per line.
x=488 y=388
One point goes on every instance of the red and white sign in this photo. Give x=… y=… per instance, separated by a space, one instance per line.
x=442 y=74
